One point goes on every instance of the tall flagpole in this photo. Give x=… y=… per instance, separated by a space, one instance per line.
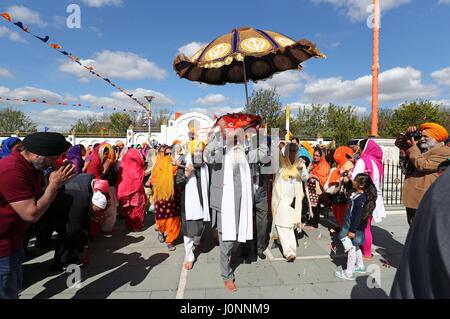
x=375 y=66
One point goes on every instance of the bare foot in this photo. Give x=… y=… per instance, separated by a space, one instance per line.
x=188 y=265
x=290 y=259
x=230 y=286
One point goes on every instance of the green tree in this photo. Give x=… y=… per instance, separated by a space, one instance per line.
x=119 y=122
x=266 y=103
x=414 y=114
x=311 y=121
x=86 y=125
x=91 y=124
x=343 y=124
x=161 y=117
x=12 y=120
x=384 y=119
x=446 y=119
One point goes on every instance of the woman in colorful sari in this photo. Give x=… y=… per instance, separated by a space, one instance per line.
x=130 y=189
x=371 y=162
x=335 y=184
x=318 y=175
x=166 y=201
x=75 y=156
x=101 y=166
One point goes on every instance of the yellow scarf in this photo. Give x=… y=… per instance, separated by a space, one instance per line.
x=162 y=179
x=288 y=169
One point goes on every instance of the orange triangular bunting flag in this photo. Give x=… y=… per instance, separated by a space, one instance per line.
x=6 y=16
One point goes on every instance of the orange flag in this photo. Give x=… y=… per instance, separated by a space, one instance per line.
x=6 y=16
x=55 y=46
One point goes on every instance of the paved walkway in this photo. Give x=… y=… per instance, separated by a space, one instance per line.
x=136 y=265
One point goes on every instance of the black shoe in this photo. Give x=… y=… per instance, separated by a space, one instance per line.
x=262 y=256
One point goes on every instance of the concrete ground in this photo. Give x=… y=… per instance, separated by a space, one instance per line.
x=136 y=266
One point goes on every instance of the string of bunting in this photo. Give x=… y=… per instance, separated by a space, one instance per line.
x=73 y=58
x=40 y=101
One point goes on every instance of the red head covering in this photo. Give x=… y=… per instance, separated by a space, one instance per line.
x=131 y=174
x=101 y=186
x=95 y=166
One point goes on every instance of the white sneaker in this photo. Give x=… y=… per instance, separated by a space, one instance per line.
x=341 y=274
x=360 y=270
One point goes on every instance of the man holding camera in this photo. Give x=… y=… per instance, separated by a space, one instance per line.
x=423 y=166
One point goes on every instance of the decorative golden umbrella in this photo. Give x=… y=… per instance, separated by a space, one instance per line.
x=245 y=54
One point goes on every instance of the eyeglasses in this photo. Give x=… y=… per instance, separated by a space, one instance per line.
x=168 y=154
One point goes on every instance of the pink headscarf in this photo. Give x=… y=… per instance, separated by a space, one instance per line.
x=373 y=151
x=131 y=174
x=101 y=186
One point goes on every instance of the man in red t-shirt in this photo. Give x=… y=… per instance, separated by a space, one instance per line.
x=23 y=200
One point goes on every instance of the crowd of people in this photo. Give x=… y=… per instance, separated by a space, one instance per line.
x=80 y=192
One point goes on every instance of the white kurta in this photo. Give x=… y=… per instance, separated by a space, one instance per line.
x=379 y=213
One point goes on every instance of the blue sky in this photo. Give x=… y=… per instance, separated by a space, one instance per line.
x=134 y=42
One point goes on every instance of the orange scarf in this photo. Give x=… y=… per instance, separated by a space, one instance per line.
x=321 y=170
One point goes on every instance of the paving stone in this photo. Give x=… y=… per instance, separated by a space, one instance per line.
x=195 y=294
x=303 y=291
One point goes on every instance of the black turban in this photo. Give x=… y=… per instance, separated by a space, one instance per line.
x=46 y=144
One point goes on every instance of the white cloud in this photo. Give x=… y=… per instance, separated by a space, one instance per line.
x=120 y=100
x=218 y=110
x=396 y=84
x=6 y=73
x=101 y=3
x=356 y=10
x=26 y=15
x=59 y=20
x=286 y=83
x=61 y=120
x=29 y=92
x=444 y=2
x=116 y=64
x=191 y=48
x=296 y=107
x=97 y=31
x=212 y=99
x=445 y=103
x=12 y=35
x=442 y=76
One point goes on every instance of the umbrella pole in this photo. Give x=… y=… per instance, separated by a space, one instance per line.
x=245 y=82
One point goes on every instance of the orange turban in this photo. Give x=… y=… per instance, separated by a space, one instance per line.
x=436 y=131
x=341 y=155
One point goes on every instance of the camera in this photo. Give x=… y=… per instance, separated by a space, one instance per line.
x=415 y=135
x=403 y=138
